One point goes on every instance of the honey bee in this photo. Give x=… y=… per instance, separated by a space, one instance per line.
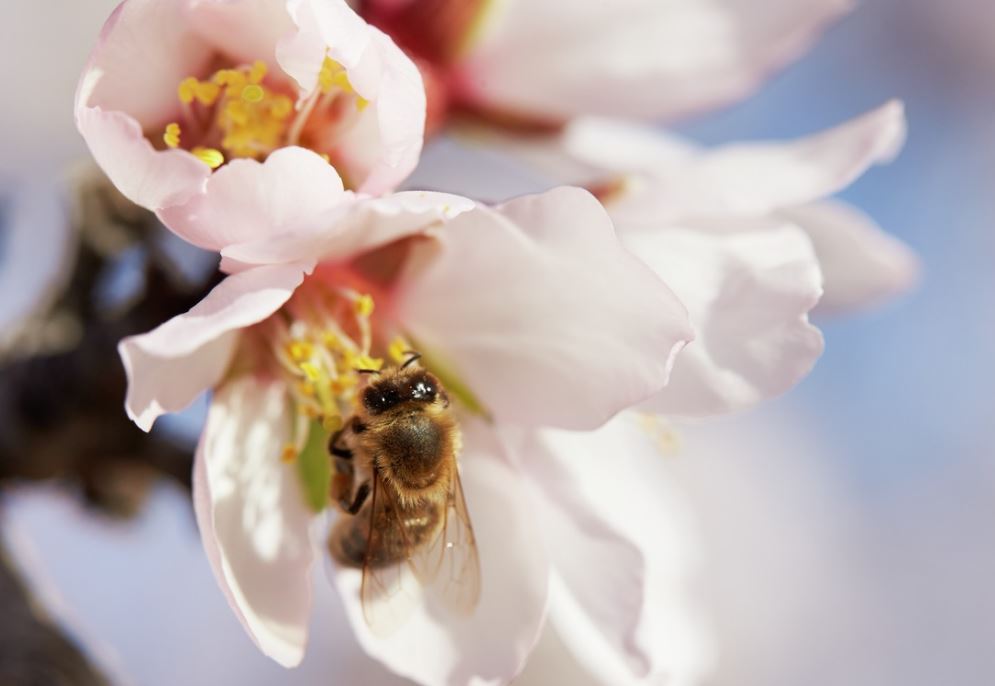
x=409 y=528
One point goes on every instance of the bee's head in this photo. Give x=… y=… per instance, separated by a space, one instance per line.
x=407 y=385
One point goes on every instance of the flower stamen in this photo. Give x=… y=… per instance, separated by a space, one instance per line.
x=233 y=113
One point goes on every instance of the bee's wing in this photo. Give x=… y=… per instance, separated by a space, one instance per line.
x=398 y=571
x=390 y=589
x=449 y=567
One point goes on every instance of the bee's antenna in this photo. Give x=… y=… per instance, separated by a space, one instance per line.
x=368 y=371
x=411 y=360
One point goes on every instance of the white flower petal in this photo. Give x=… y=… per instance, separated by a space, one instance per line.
x=748 y=293
x=492 y=645
x=382 y=148
x=356 y=228
x=626 y=619
x=598 y=565
x=252 y=515
x=755 y=178
x=666 y=179
x=171 y=365
x=861 y=264
x=293 y=191
x=535 y=303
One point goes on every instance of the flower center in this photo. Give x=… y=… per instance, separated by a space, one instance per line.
x=239 y=113
x=322 y=342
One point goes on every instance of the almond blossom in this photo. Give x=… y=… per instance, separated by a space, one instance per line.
x=576 y=331
x=177 y=88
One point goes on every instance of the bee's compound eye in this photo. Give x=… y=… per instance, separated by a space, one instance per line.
x=422 y=388
x=379 y=398
x=423 y=391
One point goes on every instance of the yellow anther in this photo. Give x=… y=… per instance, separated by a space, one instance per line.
x=253 y=93
x=172 y=135
x=367 y=362
x=223 y=76
x=398 y=350
x=306 y=388
x=331 y=423
x=245 y=118
x=325 y=157
x=258 y=72
x=310 y=412
x=281 y=107
x=289 y=453
x=310 y=371
x=232 y=79
x=300 y=351
x=209 y=156
x=187 y=90
x=364 y=305
x=206 y=92
x=361 y=103
x=237 y=112
x=333 y=75
x=331 y=340
x=341 y=384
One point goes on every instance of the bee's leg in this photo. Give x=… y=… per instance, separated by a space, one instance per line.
x=362 y=493
x=343 y=479
x=345 y=471
x=336 y=448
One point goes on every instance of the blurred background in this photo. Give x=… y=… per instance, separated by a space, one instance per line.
x=846 y=527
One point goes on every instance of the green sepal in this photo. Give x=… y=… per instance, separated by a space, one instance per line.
x=314 y=467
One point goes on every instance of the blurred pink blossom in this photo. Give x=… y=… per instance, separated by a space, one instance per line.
x=745 y=234
x=552 y=60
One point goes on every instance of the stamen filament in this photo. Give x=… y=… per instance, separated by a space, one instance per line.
x=294 y=134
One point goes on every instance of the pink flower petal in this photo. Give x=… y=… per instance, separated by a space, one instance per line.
x=645 y=58
x=536 y=303
x=359 y=227
x=748 y=292
x=624 y=550
x=383 y=146
x=324 y=27
x=399 y=111
x=492 y=645
x=171 y=365
x=145 y=49
x=252 y=515
x=147 y=177
x=293 y=191
x=243 y=30
x=862 y=266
